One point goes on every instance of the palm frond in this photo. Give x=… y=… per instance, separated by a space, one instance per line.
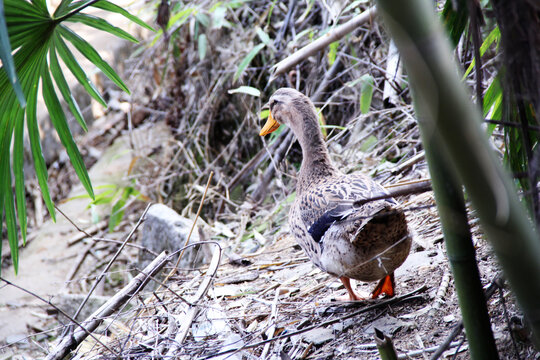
x=7 y=60
x=39 y=40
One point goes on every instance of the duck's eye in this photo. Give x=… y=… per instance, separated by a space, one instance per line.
x=273 y=103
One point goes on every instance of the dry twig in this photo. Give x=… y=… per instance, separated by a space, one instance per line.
x=322 y=42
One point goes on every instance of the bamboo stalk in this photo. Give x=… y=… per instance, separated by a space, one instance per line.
x=460 y=252
x=385 y=345
x=446 y=113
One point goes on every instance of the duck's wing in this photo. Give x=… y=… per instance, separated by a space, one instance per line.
x=334 y=202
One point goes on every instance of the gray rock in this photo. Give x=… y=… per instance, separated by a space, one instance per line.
x=165 y=230
x=316 y=336
x=388 y=325
x=69 y=303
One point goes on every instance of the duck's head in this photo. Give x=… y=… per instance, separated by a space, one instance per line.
x=289 y=107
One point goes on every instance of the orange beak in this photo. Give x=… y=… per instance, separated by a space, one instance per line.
x=270 y=126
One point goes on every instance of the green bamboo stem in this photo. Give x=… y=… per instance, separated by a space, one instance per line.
x=384 y=345
x=447 y=115
x=461 y=253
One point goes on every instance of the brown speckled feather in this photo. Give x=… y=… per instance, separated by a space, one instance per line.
x=365 y=243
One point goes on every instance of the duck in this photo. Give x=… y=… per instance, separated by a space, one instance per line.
x=331 y=218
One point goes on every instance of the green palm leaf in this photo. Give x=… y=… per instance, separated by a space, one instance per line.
x=107 y=5
x=103 y=25
x=91 y=54
x=39 y=40
x=72 y=64
x=7 y=60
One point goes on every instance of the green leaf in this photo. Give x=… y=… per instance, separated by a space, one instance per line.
x=28 y=29
x=366 y=92
x=117 y=212
x=332 y=53
x=270 y=11
x=76 y=70
x=246 y=90
x=101 y=24
x=41 y=5
x=14 y=7
x=494 y=35
x=218 y=18
x=247 y=60
x=201 y=46
x=73 y=7
x=263 y=36
x=91 y=54
x=63 y=86
x=9 y=206
x=333 y=127
x=368 y=143
x=35 y=146
x=107 y=196
x=106 y=5
x=177 y=20
x=264 y=114
x=58 y=118
x=18 y=172
x=7 y=59
x=181 y=17
x=455 y=20
x=493 y=100
x=2 y=194
x=203 y=19
x=27 y=34
x=62 y=8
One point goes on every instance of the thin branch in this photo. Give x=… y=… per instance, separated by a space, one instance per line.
x=113 y=259
x=322 y=42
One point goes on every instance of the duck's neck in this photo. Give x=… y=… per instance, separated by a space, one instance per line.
x=316 y=163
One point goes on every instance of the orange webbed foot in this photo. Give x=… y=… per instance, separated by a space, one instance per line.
x=385 y=286
x=352 y=295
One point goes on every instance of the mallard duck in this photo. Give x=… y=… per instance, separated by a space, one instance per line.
x=364 y=242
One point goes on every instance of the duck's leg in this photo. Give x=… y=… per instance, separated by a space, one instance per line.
x=385 y=286
x=353 y=296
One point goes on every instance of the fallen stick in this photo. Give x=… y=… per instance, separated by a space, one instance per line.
x=410 y=162
x=71 y=341
x=322 y=42
x=87 y=233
